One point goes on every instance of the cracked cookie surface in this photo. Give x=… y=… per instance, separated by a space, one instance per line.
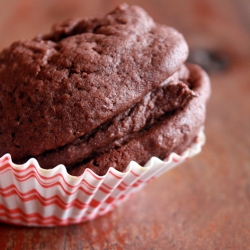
x=59 y=87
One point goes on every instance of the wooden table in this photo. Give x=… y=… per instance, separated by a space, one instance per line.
x=202 y=204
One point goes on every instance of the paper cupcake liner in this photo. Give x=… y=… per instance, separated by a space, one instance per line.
x=32 y=196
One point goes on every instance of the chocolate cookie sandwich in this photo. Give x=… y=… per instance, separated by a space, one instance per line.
x=109 y=98
x=100 y=92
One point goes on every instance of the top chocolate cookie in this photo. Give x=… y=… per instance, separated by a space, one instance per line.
x=58 y=87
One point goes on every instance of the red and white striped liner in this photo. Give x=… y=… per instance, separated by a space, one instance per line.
x=30 y=195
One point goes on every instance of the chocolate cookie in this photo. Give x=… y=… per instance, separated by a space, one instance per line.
x=95 y=92
x=59 y=87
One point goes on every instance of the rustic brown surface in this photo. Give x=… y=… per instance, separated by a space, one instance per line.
x=202 y=204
